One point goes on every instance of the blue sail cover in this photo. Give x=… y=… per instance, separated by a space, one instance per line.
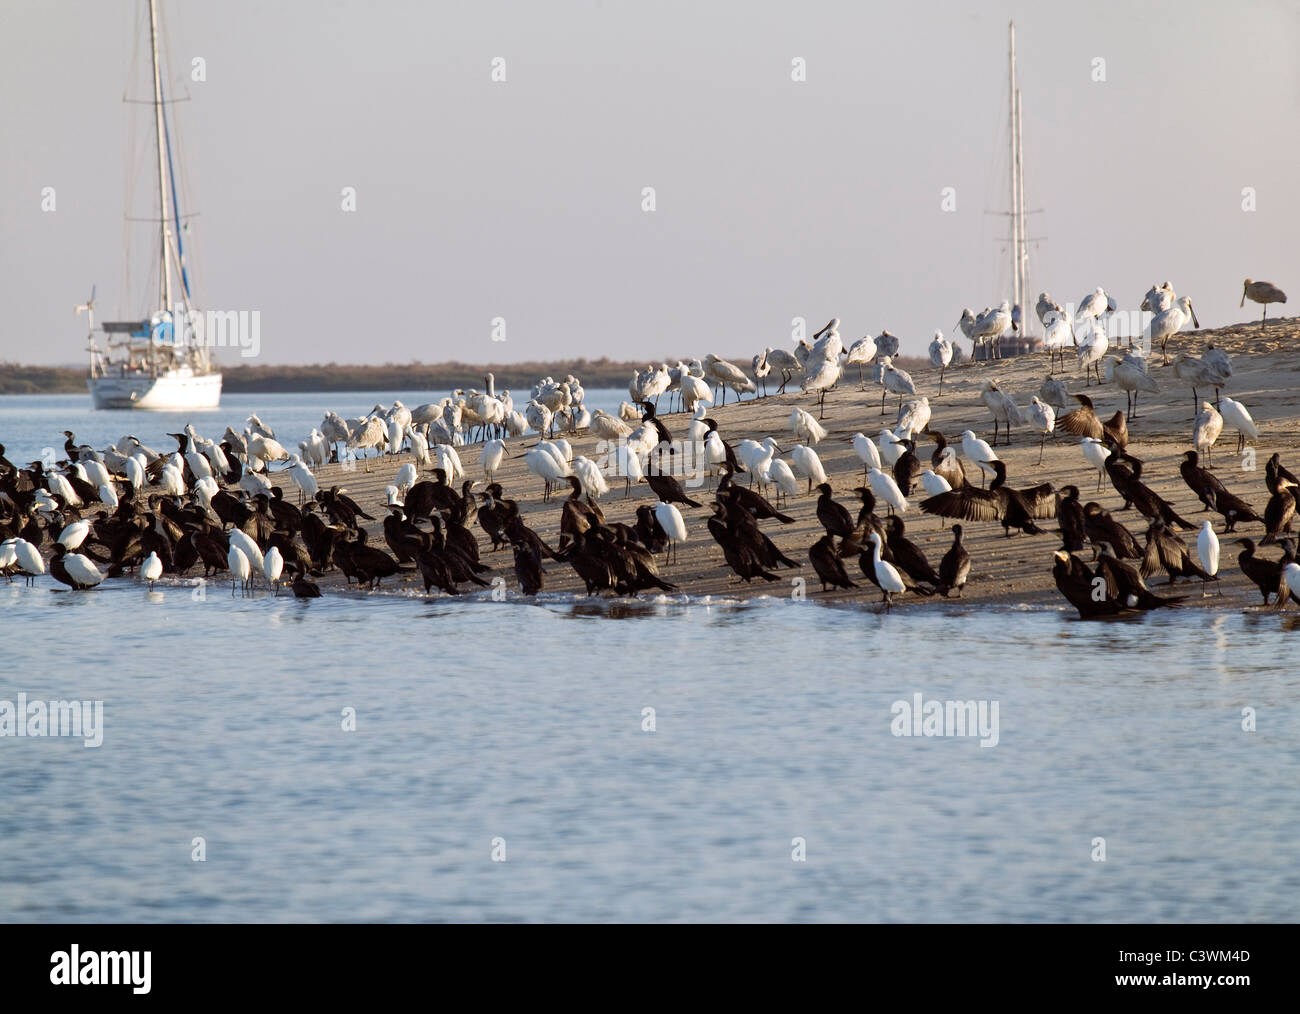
x=176 y=208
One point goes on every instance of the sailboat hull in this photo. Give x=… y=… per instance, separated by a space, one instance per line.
x=177 y=389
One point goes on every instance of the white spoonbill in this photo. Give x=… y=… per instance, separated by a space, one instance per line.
x=544 y=465
x=1208 y=426
x=1056 y=336
x=1092 y=350
x=1002 y=407
x=819 y=379
x=1166 y=324
x=151 y=570
x=940 y=355
x=1196 y=372
x=1262 y=293
x=860 y=353
x=894 y=381
x=1042 y=419
x=1132 y=379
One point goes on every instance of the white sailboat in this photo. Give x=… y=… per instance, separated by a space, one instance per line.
x=157 y=362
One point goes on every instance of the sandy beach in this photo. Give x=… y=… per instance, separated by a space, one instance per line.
x=1012 y=571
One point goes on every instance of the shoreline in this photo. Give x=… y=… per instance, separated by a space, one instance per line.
x=1010 y=573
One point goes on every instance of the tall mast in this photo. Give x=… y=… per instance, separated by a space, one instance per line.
x=1014 y=132
x=165 y=281
x=1023 y=255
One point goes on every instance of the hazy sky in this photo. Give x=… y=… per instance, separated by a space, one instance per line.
x=522 y=199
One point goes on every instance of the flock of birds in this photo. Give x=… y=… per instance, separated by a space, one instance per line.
x=220 y=505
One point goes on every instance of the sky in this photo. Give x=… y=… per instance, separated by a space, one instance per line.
x=523 y=199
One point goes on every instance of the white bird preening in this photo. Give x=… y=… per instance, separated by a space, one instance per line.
x=670 y=520
x=1042 y=418
x=1208 y=426
x=1167 y=323
x=887 y=576
x=1002 y=407
x=805 y=427
x=1207 y=548
x=819 y=379
x=1057 y=334
x=1092 y=350
x=940 y=355
x=1235 y=415
x=1196 y=372
x=860 y=353
x=1131 y=377
x=74 y=535
x=894 y=381
x=1092 y=306
x=543 y=464
x=151 y=570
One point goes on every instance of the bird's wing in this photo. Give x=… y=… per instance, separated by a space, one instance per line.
x=967 y=504
x=1041 y=500
x=1081 y=422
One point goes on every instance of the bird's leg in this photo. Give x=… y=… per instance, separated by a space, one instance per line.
x=883 y=395
x=1042 y=444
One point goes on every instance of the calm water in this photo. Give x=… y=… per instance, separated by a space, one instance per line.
x=478 y=720
x=222 y=719
x=31 y=423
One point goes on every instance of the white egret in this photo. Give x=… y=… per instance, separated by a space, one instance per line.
x=978 y=451
x=74 y=535
x=807 y=465
x=1235 y=415
x=887 y=577
x=886 y=490
x=670 y=520
x=272 y=568
x=1207 y=548
x=1096 y=454
x=493 y=453
x=866 y=451
x=240 y=571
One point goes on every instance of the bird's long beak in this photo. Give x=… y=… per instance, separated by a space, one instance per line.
x=1243 y=297
x=1195 y=322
